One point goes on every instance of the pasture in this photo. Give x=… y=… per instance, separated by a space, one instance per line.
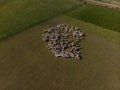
x=18 y=15
x=26 y=64
x=99 y=16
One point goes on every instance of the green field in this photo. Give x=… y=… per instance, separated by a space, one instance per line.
x=17 y=15
x=100 y=16
x=25 y=62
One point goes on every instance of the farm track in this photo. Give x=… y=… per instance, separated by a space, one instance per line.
x=112 y=4
x=25 y=63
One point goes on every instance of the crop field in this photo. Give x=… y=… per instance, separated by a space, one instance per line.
x=100 y=16
x=25 y=62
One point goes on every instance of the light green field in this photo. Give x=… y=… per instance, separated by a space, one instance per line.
x=26 y=64
x=100 y=16
x=17 y=15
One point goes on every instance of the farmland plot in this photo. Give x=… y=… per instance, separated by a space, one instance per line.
x=104 y=17
x=17 y=15
x=25 y=62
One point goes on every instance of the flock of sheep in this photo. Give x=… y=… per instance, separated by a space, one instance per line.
x=64 y=40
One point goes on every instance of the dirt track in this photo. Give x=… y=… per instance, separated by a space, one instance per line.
x=112 y=4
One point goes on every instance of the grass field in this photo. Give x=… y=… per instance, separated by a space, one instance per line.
x=25 y=63
x=100 y=16
x=17 y=15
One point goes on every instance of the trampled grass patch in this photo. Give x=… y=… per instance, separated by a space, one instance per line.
x=97 y=15
x=17 y=15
